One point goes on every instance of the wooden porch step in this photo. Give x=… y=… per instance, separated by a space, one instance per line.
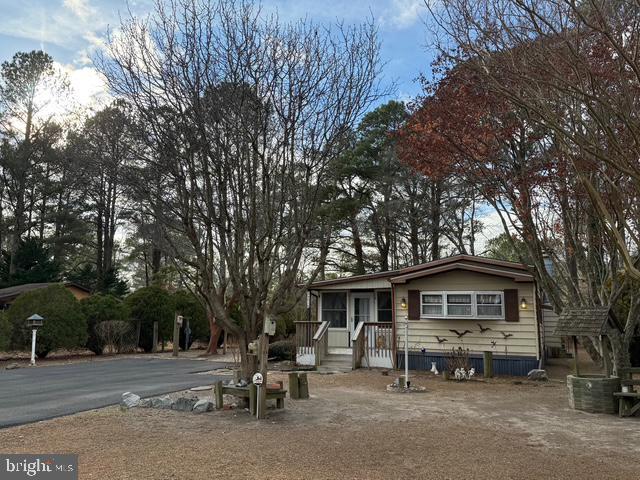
x=335 y=363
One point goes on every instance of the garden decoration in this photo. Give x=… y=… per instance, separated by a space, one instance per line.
x=506 y=337
x=35 y=321
x=588 y=392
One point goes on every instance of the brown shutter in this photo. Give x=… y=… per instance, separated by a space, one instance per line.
x=511 y=308
x=414 y=304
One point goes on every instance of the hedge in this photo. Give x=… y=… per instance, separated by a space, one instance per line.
x=64 y=323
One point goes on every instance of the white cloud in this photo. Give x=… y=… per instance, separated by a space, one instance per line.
x=88 y=87
x=405 y=13
x=80 y=8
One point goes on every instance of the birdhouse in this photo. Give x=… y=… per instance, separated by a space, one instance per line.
x=35 y=321
x=269 y=327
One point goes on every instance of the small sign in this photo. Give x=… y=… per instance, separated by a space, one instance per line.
x=27 y=466
x=257 y=379
x=179 y=319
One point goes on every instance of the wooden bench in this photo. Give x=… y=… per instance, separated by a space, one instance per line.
x=275 y=391
x=628 y=402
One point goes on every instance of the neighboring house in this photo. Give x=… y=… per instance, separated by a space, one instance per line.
x=491 y=303
x=9 y=294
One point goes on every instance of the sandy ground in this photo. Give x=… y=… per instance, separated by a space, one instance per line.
x=351 y=428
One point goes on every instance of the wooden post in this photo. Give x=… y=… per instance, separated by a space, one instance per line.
x=303 y=385
x=154 y=347
x=176 y=335
x=219 y=395
x=605 y=356
x=576 y=369
x=487 y=364
x=253 y=394
x=263 y=352
x=294 y=391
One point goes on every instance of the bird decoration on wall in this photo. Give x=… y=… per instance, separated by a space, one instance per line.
x=506 y=337
x=460 y=334
x=483 y=329
x=441 y=340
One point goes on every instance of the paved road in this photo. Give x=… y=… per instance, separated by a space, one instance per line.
x=33 y=394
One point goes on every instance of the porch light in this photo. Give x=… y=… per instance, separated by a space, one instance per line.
x=523 y=303
x=403 y=303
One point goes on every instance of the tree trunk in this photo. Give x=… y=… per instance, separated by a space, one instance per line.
x=215 y=331
x=436 y=195
x=357 y=246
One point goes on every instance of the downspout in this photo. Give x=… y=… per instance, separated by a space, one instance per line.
x=309 y=295
x=394 y=357
x=538 y=315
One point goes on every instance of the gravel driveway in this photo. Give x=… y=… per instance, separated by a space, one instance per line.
x=351 y=428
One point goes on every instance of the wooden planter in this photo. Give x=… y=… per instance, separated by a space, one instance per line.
x=593 y=393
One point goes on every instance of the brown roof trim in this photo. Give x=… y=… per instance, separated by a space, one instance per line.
x=15 y=290
x=355 y=278
x=428 y=266
x=499 y=272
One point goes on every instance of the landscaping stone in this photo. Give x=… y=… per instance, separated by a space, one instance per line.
x=129 y=400
x=12 y=366
x=161 y=402
x=146 y=403
x=538 y=375
x=184 y=404
x=202 y=406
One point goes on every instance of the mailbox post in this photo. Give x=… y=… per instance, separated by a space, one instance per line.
x=34 y=321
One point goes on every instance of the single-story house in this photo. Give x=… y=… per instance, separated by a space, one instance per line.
x=475 y=303
x=9 y=294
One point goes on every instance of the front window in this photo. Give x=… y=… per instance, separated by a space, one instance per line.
x=334 y=309
x=462 y=304
x=432 y=304
x=489 y=304
x=459 y=305
x=384 y=306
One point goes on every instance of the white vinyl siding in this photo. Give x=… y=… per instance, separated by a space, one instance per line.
x=478 y=305
x=422 y=334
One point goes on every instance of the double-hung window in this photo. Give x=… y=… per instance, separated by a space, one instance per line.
x=462 y=304
x=489 y=305
x=431 y=304
x=459 y=304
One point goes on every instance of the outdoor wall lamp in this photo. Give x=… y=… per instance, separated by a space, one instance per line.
x=523 y=303
x=403 y=303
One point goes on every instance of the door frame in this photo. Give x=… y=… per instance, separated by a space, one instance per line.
x=372 y=309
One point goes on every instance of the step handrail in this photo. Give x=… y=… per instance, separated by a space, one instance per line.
x=320 y=342
x=357 y=346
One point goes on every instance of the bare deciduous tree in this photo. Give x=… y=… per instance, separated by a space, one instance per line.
x=243 y=114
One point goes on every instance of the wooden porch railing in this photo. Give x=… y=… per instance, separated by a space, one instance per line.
x=321 y=343
x=372 y=341
x=305 y=331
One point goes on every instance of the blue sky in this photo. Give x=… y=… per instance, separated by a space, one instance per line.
x=70 y=30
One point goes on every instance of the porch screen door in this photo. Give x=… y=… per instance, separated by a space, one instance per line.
x=362 y=309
